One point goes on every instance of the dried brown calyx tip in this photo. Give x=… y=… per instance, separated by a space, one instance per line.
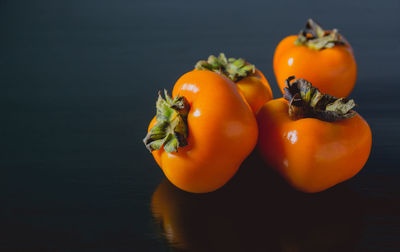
x=234 y=69
x=306 y=101
x=170 y=130
x=316 y=38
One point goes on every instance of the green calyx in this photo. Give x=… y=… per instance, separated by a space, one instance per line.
x=316 y=38
x=306 y=101
x=234 y=69
x=170 y=131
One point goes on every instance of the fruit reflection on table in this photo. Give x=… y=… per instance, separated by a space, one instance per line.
x=256 y=211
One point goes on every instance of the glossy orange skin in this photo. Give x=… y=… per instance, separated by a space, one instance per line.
x=333 y=70
x=256 y=90
x=312 y=155
x=222 y=133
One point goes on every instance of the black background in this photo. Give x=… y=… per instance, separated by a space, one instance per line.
x=79 y=81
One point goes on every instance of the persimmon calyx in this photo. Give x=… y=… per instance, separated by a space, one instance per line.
x=234 y=69
x=306 y=101
x=316 y=38
x=170 y=131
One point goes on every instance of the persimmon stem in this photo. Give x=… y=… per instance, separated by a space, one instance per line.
x=316 y=38
x=170 y=131
x=306 y=101
x=234 y=69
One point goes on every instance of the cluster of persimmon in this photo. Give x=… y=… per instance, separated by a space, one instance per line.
x=220 y=110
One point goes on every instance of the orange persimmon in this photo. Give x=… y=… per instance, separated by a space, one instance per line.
x=324 y=58
x=250 y=80
x=200 y=137
x=314 y=141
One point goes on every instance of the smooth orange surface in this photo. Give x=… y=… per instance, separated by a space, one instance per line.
x=222 y=133
x=256 y=90
x=312 y=155
x=333 y=70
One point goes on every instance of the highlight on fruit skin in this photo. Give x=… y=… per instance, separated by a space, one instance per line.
x=313 y=140
x=323 y=57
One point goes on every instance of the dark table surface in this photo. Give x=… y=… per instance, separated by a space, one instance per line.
x=78 y=85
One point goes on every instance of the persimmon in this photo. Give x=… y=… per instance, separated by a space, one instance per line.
x=324 y=58
x=313 y=140
x=250 y=80
x=200 y=137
